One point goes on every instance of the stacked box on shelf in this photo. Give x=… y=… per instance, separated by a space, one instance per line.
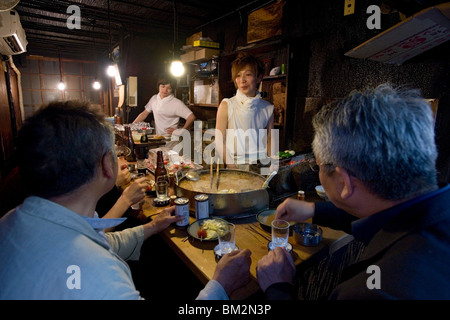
x=207 y=44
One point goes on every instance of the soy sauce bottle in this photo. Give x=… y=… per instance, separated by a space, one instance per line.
x=144 y=137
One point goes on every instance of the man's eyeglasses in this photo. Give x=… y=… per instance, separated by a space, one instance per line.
x=315 y=167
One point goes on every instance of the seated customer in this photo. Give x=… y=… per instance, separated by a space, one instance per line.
x=107 y=201
x=117 y=202
x=53 y=246
x=376 y=153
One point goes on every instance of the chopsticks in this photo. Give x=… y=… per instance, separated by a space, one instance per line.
x=211 y=173
x=253 y=228
x=217 y=172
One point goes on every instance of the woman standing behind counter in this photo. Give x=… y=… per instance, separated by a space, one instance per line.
x=166 y=109
x=246 y=110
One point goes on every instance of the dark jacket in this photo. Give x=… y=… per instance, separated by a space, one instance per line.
x=410 y=245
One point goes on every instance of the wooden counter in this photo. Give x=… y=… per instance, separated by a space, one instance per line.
x=199 y=255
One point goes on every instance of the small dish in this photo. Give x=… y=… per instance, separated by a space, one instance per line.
x=266 y=217
x=196 y=225
x=155 y=137
x=161 y=202
x=219 y=254
x=288 y=247
x=321 y=192
x=307 y=234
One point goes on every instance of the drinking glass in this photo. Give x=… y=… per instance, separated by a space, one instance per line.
x=227 y=238
x=137 y=205
x=161 y=188
x=280 y=233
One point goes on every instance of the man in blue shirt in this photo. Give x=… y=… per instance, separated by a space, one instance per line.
x=54 y=246
x=376 y=155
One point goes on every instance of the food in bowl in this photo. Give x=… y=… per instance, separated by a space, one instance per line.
x=266 y=217
x=136 y=136
x=156 y=137
x=210 y=228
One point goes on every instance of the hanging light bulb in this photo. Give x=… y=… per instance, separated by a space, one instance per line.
x=177 y=68
x=61 y=85
x=111 y=71
x=96 y=85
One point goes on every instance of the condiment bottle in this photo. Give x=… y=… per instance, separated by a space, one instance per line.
x=130 y=144
x=171 y=190
x=301 y=195
x=160 y=171
x=117 y=117
x=144 y=137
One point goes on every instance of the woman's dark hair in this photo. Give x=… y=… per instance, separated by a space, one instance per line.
x=166 y=79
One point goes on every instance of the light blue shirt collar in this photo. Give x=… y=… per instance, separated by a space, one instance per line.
x=102 y=223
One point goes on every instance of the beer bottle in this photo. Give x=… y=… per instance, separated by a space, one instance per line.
x=160 y=171
x=130 y=144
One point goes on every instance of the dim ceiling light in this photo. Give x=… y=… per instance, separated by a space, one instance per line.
x=177 y=68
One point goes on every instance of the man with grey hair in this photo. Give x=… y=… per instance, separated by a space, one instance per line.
x=54 y=246
x=376 y=155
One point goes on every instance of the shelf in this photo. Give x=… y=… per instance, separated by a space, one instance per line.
x=278 y=76
x=262 y=45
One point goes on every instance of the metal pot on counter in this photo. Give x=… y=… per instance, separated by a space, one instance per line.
x=247 y=200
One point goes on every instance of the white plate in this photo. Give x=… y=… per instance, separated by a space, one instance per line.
x=196 y=225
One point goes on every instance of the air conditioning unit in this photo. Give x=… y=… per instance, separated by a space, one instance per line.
x=132 y=92
x=12 y=35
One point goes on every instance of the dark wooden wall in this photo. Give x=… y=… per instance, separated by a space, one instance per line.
x=319 y=34
x=10 y=117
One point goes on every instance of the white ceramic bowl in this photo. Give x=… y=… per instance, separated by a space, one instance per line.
x=321 y=192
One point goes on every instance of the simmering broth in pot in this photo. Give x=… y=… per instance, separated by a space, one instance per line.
x=230 y=182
